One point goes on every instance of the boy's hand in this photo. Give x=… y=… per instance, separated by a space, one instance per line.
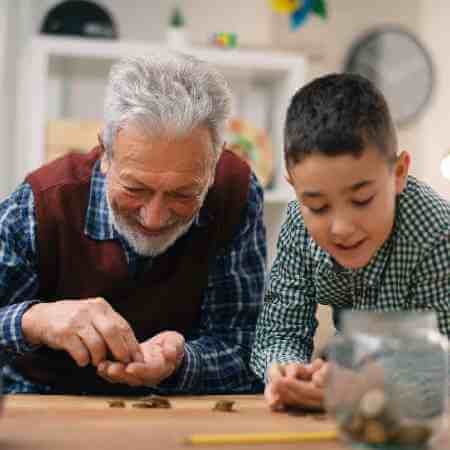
x=319 y=377
x=296 y=384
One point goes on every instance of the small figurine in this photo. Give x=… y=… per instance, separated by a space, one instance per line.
x=224 y=40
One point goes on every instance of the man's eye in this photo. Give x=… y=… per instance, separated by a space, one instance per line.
x=320 y=210
x=362 y=203
x=134 y=190
x=183 y=196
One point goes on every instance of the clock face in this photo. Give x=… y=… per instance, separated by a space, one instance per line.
x=398 y=64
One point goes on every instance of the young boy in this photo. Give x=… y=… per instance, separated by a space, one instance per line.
x=362 y=234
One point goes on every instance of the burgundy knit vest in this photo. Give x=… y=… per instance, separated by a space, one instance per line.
x=72 y=265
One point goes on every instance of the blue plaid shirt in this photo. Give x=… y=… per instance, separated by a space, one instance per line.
x=216 y=354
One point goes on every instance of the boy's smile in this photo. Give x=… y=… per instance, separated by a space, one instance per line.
x=348 y=202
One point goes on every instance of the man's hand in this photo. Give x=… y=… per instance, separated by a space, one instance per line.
x=87 y=329
x=296 y=384
x=162 y=355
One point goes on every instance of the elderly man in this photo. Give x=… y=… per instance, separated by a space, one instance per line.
x=138 y=267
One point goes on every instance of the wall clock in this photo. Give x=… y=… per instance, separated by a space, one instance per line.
x=399 y=65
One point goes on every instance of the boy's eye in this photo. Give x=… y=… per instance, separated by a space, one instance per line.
x=320 y=210
x=360 y=203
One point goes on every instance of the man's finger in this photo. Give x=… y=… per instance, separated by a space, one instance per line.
x=133 y=345
x=170 y=353
x=114 y=372
x=77 y=350
x=117 y=337
x=94 y=343
x=151 y=373
x=173 y=339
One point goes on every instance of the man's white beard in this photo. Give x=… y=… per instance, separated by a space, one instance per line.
x=147 y=245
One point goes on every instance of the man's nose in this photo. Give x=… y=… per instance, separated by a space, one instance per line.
x=154 y=214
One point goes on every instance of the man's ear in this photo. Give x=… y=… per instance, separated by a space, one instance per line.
x=100 y=141
x=104 y=163
x=401 y=170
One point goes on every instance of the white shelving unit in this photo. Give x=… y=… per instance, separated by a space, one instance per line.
x=263 y=83
x=65 y=78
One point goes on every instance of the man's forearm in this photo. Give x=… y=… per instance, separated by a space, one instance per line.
x=12 y=339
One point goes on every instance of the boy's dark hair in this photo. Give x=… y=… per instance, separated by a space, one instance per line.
x=338 y=114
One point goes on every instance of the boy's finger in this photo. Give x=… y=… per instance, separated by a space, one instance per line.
x=315 y=365
x=298 y=370
x=300 y=392
x=319 y=378
x=272 y=397
x=275 y=372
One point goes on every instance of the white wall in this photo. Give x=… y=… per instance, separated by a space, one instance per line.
x=147 y=19
x=327 y=42
x=16 y=26
x=434 y=134
x=4 y=179
x=7 y=98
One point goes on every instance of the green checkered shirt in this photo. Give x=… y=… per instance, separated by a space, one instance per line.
x=411 y=271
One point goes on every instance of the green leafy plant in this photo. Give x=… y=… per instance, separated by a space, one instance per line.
x=177 y=18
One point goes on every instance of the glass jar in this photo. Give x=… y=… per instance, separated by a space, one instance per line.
x=388 y=379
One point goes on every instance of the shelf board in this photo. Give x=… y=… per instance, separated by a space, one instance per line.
x=282 y=71
x=267 y=64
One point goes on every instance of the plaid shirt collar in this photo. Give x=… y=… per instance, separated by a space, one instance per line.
x=98 y=224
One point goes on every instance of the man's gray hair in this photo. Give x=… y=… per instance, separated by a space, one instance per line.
x=166 y=94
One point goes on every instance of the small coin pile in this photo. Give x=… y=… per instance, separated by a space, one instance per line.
x=150 y=401
x=224 y=405
x=116 y=404
x=374 y=421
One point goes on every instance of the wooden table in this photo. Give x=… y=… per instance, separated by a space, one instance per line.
x=32 y=422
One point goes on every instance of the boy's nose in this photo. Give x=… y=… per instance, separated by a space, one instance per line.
x=342 y=229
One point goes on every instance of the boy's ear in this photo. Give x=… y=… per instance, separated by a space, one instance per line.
x=401 y=171
x=288 y=178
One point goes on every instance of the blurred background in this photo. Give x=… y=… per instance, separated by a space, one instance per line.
x=51 y=90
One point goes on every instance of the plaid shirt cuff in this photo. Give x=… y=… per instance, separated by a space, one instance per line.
x=11 y=336
x=187 y=378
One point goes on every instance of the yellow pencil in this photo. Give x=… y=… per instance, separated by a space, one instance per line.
x=261 y=438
